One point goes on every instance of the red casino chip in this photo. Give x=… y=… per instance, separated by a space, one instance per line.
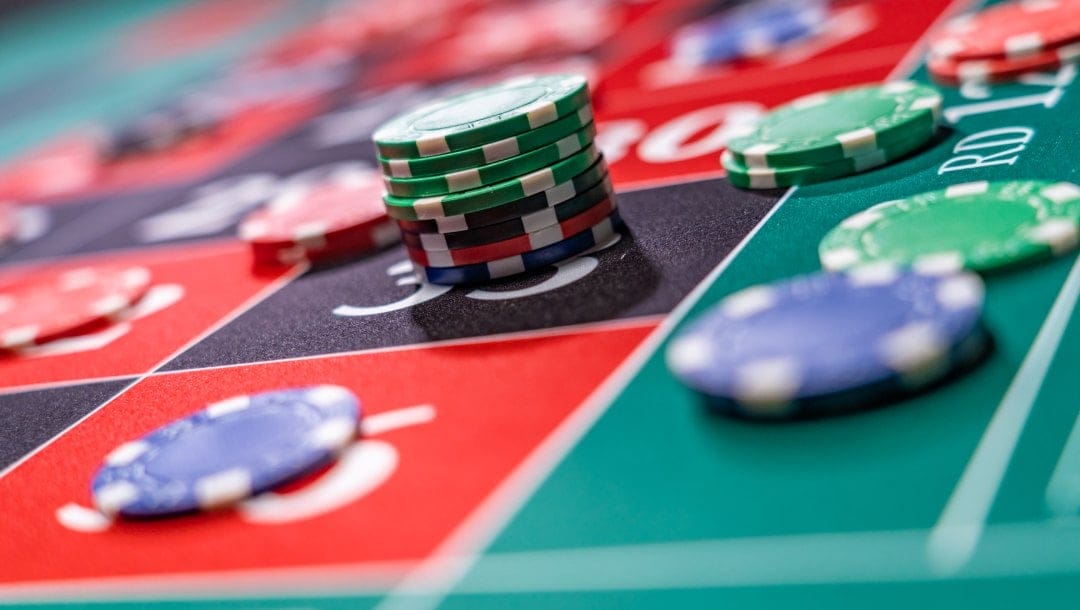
x=43 y=308
x=951 y=72
x=1010 y=30
x=517 y=245
x=339 y=246
x=343 y=215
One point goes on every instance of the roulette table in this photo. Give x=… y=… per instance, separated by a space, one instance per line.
x=524 y=443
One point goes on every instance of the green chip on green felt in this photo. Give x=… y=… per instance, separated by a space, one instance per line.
x=978 y=225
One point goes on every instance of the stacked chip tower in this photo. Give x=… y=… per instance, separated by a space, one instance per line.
x=833 y=134
x=498 y=181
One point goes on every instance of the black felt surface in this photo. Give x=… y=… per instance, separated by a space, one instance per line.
x=677 y=234
x=29 y=419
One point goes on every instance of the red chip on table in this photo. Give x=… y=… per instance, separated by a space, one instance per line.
x=342 y=215
x=1010 y=30
x=953 y=72
x=48 y=307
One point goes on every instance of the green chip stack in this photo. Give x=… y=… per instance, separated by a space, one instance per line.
x=834 y=134
x=498 y=180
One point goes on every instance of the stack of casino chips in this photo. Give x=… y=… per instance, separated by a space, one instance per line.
x=1006 y=41
x=498 y=181
x=834 y=134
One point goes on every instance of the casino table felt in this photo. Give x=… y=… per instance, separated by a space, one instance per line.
x=524 y=443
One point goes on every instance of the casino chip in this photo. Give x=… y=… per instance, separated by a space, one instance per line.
x=834 y=125
x=535 y=240
x=1009 y=30
x=513 y=227
x=517 y=209
x=43 y=308
x=229 y=451
x=488 y=153
x=980 y=226
x=482 y=116
x=530 y=261
x=958 y=72
x=341 y=216
x=426 y=208
x=752 y=30
x=827 y=342
x=769 y=178
x=493 y=173
x=529 y=193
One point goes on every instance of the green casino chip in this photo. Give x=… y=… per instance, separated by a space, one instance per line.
x=499 y=171
x=488 y=153
x=979 y=226
x=834 y=125
x=769 y=178
x=482 y=116
x=425 y=208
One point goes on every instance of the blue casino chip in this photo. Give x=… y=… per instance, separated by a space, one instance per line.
x=227 y=452
x=830 y=341
x=752 y=30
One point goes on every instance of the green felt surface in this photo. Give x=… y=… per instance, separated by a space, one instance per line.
x=677 y=507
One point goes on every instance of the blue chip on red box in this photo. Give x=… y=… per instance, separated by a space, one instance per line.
x=751 y=30
x=822 y=341
x=226 y=452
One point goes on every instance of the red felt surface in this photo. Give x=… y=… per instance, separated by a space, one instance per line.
x=494 y=403
x=207 y=298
